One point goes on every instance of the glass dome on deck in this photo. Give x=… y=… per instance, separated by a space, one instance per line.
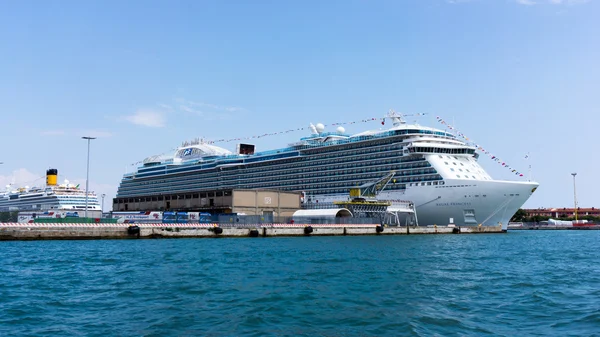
x=200 y=150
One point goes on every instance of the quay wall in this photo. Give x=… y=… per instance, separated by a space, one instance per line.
x=82 y=231
x=554 y=228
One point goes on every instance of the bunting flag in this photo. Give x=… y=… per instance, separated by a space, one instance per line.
x=481 y=149
x=439 y=119
x=367 y=120
x=288 y=131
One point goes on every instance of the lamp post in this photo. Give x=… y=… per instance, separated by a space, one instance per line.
x=574 y=194
x=103 y=195
x=87 y=175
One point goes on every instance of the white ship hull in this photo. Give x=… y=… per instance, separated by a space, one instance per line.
x=45 y=203
x=431 y=168
x=53 y=197
x=461 y=202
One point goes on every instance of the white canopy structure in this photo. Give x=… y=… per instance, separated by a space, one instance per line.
x=401 y=214
x=200 y=150
x=400 y=208
x=329 y=213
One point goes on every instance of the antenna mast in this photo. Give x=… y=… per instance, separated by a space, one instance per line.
x=397 y=118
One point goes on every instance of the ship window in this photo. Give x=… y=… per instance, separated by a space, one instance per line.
x=460 y=170
x=446 y=162
x=458 y=176
x=454 y=163
x=473 y=177
x=422 y=184
x=452 y=169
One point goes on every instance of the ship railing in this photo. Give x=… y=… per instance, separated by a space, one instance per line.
x=277 y=154
x=347 y=158
x=307 y=145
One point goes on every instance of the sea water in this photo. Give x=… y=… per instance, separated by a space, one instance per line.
x=516 y=284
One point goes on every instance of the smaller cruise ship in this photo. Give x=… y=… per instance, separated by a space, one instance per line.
x=65 y=197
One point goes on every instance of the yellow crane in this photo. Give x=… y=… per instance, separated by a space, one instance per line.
x=363 y=199
x=369 y=191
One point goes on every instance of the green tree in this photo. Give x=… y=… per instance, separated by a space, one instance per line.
x=519 y=216
x=9 y=216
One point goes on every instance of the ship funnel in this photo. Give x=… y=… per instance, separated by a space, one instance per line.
x=51 y=177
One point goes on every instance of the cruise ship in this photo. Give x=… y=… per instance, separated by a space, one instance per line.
x=54 y=196
x=434 y=169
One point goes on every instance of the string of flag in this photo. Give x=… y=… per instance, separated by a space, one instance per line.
x=481 y=149
x=493 y=157
x=224 y=140
x=287 y=131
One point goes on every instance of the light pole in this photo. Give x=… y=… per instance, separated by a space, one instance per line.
x=574 y=194
x=103 y=195
x=87 y=175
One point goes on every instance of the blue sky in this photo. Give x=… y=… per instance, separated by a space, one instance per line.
x=516 y=76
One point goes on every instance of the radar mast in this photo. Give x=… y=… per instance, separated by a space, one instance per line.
x=396 y=117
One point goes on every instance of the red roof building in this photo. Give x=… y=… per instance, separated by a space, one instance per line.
x=562 y=212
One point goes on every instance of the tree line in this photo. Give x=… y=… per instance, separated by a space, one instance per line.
x=9 y=216
x=522 y=216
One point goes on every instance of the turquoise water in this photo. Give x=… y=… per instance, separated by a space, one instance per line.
x=516 y=284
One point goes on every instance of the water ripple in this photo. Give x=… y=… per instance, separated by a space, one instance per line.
x=521 y=283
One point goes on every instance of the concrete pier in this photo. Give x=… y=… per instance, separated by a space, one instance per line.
x=554 y=228
x=83 y=231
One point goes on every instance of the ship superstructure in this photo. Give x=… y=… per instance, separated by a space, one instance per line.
x=436 y=171
x=53 y=196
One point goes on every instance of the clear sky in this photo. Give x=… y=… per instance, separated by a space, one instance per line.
x=516 y=76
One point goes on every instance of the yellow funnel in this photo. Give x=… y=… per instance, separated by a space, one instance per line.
x=51 y=177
